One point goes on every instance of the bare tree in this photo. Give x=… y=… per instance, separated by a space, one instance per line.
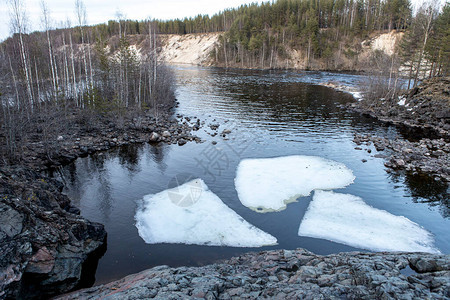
x=19 y=25
x=426 y=15
x=46 y=25
x=80 y=11
x=72 y=60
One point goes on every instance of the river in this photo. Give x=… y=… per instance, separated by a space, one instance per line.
x=270 y=114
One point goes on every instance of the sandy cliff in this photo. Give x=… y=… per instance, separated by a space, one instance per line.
x=195 y=49
x=191 y=49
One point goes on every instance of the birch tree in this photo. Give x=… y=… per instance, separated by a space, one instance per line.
x=80 y=12
x=19 y=26
x=47 y=27
x=424 y=18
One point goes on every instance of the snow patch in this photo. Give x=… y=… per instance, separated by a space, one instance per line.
x=347 y=219
x=268 y=184
x=344 y=88
x=192 y=214
x=357 y=95
x=401 y=100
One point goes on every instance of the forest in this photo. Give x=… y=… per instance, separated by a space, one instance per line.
x=113 y=68
x=326 y=32
x=55 y=79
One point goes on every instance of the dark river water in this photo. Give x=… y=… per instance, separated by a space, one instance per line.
x=269 y=114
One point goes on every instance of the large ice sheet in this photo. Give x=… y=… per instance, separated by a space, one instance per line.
x=192 y=214
x=347 y=219
x=268 y=184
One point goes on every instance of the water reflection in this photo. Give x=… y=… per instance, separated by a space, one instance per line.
x=129 y=158
x=425 y=189
x=158 y=153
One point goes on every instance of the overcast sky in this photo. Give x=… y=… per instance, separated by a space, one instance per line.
x=99 y=11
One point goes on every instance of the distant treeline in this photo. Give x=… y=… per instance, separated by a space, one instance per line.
x=358 y=16
x=257 y=35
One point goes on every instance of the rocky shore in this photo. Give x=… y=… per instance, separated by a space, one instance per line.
x=290 y=274
x=423 y=114
x=46 y=247
x=423 y=110
x=103 y=133
x=428 y=156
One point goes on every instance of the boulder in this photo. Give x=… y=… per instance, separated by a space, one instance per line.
x=154 y=137
x=44 y=242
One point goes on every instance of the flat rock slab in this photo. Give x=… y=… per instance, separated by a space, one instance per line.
x=288 y=274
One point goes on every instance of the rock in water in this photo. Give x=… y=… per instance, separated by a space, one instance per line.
x=154 y=137
x=43 y=246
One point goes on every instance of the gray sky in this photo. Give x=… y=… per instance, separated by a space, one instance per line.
x=99 y=11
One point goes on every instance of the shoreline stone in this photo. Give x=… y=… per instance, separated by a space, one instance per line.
x=423 y=113
x=425 y=156
x=289 y=274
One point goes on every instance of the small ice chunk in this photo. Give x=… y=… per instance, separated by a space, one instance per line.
x=357 y=95
x=268 y=184
x=347 y=219
x=401 y=100
x=192 y=214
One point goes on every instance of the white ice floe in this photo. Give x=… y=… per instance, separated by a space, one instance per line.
x=347 y=219
x=268 y=184
x=192 y=214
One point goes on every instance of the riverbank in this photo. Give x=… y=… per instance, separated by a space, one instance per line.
x=290 y=274
x=46 y=247
x=85 y=134
x=204 y=49
x=423 y=114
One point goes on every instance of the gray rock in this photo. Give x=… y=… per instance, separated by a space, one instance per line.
x=43 y=240
x=154 y=137
x=353 y=275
